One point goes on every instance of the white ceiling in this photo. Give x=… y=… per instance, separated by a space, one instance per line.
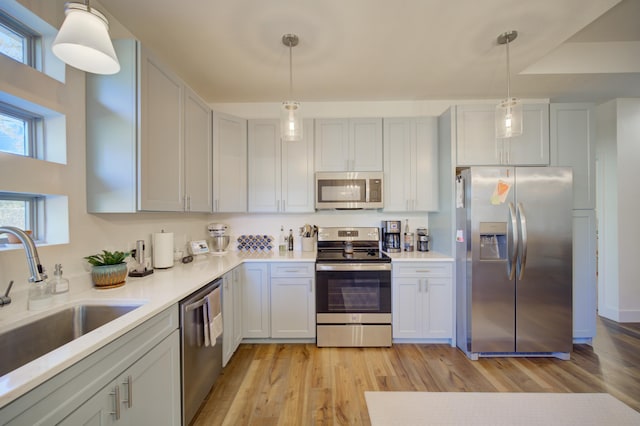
x=374 y=50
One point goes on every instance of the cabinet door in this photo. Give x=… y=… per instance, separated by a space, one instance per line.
x=407 y=307
x=162 y=144
x=237 y=307
x=100 y=409
x=298 y=173
x=197 y=154
x=399 y=162
x=426 y=173
x=476 y=144
x=584 y=274
x=572 y=144
x=152 y=386
x=438 y=321
x=264 y=166
x=148 y=392
x=532 y=147
x=255 y=301
x=230 y=164
x=293 y=307
x=332 y=145
x=365 y=144
x=228 y=316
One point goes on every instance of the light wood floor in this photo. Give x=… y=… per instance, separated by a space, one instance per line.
x=300 y=384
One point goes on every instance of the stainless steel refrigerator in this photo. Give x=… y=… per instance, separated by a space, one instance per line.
x=514 y=261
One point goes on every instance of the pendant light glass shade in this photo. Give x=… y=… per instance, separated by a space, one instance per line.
x=290 y=114
x=509 y=118
x=83 y=41
x=290 y=121
x=509 y=110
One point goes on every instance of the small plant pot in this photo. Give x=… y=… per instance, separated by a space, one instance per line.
x=109 y=276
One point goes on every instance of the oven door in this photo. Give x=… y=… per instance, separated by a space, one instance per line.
x=353 y=305
x=345 y=289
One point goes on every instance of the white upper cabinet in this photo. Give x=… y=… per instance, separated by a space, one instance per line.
x=197 y=153
x=162 y=142
x=149 y=152
x=229 y=164
x=573 y=144
x=477 y=144
x=348 y=144
x=411 y=164
x=281 y=175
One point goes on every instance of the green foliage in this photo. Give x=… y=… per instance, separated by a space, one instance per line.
x=107 y=258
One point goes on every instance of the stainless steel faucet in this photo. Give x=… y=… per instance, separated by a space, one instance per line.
x=35 y=268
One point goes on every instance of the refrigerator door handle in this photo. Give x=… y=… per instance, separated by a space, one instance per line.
x=513 y=252
x=523 y=229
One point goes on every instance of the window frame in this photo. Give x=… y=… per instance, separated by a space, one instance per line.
x=33 y=123
x=31 y=39
x=32 y=210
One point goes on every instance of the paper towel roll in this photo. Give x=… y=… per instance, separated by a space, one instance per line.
x=163 y=250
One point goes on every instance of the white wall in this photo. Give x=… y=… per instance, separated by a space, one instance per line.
x=618 y=155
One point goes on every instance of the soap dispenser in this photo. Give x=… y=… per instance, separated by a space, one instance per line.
x=59 y=284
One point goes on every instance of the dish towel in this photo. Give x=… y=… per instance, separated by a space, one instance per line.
x=213 y=326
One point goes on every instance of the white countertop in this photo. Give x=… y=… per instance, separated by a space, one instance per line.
x=156 y=292
x=419 y=256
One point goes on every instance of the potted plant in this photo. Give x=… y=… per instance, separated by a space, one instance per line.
x=109 y=268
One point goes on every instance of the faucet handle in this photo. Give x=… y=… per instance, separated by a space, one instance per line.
x=5 y=300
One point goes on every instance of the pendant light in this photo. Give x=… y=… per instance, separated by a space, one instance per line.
x=290 y=117
x=83 y=40
x=509 y=110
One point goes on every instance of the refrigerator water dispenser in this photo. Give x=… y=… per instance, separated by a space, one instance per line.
x=493 y=240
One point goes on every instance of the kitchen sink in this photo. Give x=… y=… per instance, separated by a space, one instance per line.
x=30 y=341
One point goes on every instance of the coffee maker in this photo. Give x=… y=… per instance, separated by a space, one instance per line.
x=423 y=239
x=391 y=236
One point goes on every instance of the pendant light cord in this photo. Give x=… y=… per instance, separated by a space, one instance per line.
x=508 y=73
x=290 y=72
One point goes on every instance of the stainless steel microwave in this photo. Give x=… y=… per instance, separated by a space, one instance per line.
x=349 y=190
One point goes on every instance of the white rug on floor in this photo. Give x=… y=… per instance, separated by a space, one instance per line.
x=472 y=408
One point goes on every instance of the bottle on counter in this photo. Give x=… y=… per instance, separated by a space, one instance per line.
x=59 y=284
x=282 y=241
x=408 y=237
x=290 y=239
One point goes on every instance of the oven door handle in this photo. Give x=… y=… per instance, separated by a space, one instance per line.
x=353 y=266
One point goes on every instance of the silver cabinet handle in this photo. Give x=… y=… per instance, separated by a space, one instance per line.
x=310 y=286
x=423 y=271
x=284 y=206
x=513 y=252
x=426 y=285
x=116 y=395
x=523 y=229
x=129 y=383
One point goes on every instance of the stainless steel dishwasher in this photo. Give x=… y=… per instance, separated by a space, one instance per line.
x=201 y=365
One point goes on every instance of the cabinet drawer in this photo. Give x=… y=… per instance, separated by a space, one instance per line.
x=422 y=269
x=292 y=269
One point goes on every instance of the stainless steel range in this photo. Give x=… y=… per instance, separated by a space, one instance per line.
x=353 y=288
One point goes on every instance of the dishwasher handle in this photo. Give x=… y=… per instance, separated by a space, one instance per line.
x=195 y=305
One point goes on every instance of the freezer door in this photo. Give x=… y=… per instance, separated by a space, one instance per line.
x=491 y=292
x=544 y=273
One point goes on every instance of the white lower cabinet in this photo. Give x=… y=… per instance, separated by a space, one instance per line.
x=293 y=300
x=146 y=393
x=137 y=375
x=231 y=313
x=585 y=309
x=422 y=294
x=255 y=301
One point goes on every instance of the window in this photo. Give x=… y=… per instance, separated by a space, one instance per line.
x=19 y=210
x=17 y=41
x=18 y=131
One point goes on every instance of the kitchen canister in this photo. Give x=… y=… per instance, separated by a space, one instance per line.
x=163 y=250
